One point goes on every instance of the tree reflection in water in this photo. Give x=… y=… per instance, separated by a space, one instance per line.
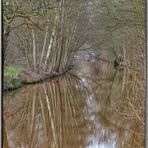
x=71 y=112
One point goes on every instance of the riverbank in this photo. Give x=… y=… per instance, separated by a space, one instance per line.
x=24 y=78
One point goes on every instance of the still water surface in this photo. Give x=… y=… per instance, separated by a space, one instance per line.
x=86 y=109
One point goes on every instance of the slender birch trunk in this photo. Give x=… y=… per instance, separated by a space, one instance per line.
x=54 y=56
x=52 y=40
x=34 y=49
x=49 y=49
x=62 y=35
x=44 y=46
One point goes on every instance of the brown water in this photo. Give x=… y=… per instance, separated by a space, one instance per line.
x=86 y=110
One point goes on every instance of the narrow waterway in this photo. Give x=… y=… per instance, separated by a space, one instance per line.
x=86 y=108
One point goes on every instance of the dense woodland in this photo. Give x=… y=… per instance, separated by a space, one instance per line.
x=45 y=34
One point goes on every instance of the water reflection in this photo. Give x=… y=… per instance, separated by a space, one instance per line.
x=72 y=112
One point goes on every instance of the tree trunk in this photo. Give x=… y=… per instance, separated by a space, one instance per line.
x=44 y=46
x=49 y=49
x=62 y=36
x=34 y=50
